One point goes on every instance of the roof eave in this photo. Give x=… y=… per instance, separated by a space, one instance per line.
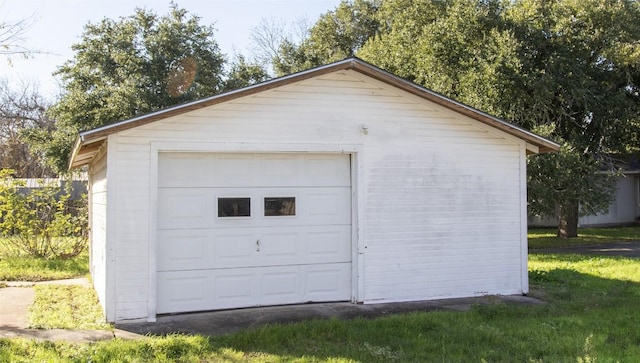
x=355 y=64
x=213 y=100
x=77 y=145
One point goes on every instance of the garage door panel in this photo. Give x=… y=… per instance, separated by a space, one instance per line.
x=184 y=208
x=211 y=249
x=312 y=283
x=180 y=291
x=275 y=170
x=327 y=170
x=233 y=248
x=279 y=245
x=293 y=247
x=278 y=287
x=326 y=244
x=298 y=245
x=234 y=170
x=313 y=206
x=328 y=206
x=184 y=169
x=183 y=291
x=329 y=281
x=319 y=244
x=234 y=287
x=253 y=170
x=183 y=249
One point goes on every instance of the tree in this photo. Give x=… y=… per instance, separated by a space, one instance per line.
x=20 y=113
x=12 y=38
x=580 y=70
x=266 y=38
x=580 y=78
x=131 y=66
x=243 y=73
x=568 y=184
x=460 y=48
x=336 y=35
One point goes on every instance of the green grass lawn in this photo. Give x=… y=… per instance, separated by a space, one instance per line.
x=591 y=315
x=546 y=237
x=26 y=268
x=66 y=307
x=40 y=269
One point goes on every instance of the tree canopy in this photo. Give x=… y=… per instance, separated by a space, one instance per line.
x=568 y=69
x=134 y=65
x=337 y=34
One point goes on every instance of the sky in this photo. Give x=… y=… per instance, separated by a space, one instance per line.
x=57 y=24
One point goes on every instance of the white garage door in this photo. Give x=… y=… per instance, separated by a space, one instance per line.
x=239 y=230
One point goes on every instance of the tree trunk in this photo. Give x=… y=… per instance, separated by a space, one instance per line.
x=568 y=220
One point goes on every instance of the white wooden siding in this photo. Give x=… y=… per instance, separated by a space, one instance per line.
x=132 y=233
x=442 y=225
x=439 y=195
x=98 y=220
x=625 y=208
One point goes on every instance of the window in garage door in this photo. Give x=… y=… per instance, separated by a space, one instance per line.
x=234 y=207
x=279 y=206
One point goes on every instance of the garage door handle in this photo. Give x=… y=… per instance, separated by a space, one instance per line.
x=258 y=245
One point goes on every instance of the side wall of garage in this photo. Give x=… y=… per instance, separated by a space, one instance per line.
x=438 y=198
x=97 y=196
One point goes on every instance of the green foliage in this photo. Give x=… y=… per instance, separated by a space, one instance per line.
x=336 y=35
x=560 y=182
x=243 y=73
x=459 y=48
x=66 y=307
x=590 y=314
x=580 y=69
x=131 y=66
x=40 y=222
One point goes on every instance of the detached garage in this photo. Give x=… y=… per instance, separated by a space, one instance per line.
x=340 y=183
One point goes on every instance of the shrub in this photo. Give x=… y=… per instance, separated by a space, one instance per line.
x=41 y=222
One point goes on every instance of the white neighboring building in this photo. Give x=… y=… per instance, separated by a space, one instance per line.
x=340 y=183
x=624 y=210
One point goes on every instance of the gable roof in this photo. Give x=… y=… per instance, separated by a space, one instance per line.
x=88 y=143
